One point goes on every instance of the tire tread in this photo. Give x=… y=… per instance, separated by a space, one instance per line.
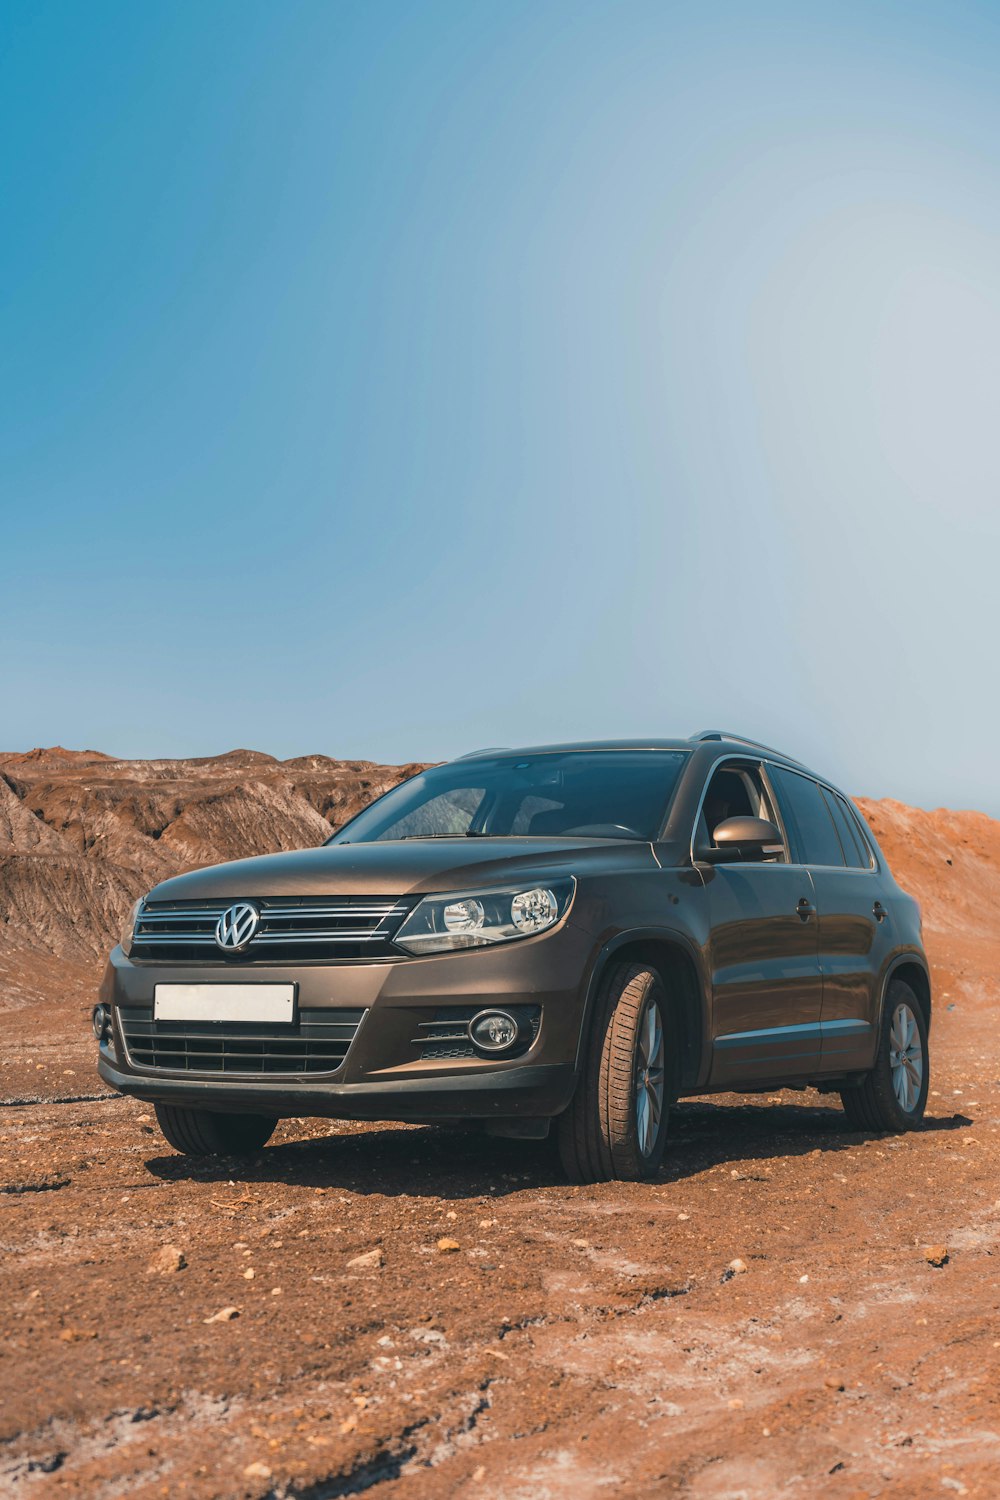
x=203 y=1132
x=872 y=1105
x=596 y=1134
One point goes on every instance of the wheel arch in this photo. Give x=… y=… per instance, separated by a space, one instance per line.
x=676 y=960
x=913 y=970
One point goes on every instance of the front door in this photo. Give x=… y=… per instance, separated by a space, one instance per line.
x=763 y=948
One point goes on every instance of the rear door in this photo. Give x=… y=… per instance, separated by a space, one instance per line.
x=854 y=928
x=763 y=947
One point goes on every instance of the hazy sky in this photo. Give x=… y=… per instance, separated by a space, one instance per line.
x=392 y=379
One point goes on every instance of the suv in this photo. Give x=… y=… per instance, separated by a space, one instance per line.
x=573 y=933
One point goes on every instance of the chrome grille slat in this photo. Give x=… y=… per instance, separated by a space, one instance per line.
x=289 y=928
x=267 y=937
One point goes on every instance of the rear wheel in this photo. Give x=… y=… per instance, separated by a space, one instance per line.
x=616 y=1125
x=893 y=1096
x=203 y=1132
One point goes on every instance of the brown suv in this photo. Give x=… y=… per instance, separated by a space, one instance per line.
x=578 y=933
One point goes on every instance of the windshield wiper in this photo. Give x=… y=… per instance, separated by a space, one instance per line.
x=470 y=833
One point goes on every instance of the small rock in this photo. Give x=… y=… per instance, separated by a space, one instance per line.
x=580 y=1244
x=428 y=1336
x=683 y=1217
x=166 y=1260
x=446 y=1245
x=737 y=1266
x=369 y=1261
x=224 y=1315
x=834 y=1382
x=249 y=1274
x=256 y=1471
x=276 y=1291
x=75 y=1335
x=936 y=1255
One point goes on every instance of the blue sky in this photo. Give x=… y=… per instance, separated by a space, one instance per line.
x=388 y=379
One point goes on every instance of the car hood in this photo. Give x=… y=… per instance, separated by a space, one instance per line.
x=410 y=866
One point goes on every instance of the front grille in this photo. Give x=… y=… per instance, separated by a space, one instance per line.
x=290 y=929
x=448 y=1034
x=317 y=1042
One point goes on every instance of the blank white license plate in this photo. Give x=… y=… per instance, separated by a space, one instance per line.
x=224 y=1002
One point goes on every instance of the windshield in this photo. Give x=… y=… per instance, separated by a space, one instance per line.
x=604 y=794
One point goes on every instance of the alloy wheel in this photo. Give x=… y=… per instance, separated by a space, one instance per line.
x=906 y=1057
x=649 y=1078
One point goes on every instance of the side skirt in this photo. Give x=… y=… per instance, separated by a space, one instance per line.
x=841 y=1046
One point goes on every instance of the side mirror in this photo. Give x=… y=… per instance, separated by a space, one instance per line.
x=742 y=838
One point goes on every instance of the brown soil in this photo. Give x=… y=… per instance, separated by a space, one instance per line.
x=579 y=1341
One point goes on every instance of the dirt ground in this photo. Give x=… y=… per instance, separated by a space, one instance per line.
x=580 y=1340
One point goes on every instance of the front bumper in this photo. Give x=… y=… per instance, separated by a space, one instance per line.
x=531 y=1091
x=384 y=1076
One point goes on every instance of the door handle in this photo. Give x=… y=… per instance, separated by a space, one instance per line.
x=805 y=908
x=879 y=912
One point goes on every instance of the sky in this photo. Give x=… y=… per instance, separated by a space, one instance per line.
x=388 y=380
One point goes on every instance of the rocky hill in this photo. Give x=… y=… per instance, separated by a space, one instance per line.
x=82 y=835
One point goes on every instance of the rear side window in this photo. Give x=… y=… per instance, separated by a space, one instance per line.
x=856 y=856
x=808 y=818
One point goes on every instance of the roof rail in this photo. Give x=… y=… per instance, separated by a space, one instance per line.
x=741 y=739
x=486 y=750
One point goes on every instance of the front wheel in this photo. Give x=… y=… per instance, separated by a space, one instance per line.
x=203 y=1132
x=616 y=1125
x=893 y=1096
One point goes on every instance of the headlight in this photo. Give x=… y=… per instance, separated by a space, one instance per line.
x=441 y=923
x=128 y=928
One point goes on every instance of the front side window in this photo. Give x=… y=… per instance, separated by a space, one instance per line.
x=808 y=818
x=601 y=794
x=735 y=791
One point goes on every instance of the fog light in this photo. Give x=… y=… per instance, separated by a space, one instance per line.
x=99 y=1021
x=493 y=1031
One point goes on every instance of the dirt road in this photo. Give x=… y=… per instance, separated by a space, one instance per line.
x=578 y=1340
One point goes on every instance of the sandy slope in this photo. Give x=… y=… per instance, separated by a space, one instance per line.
x=581 y=1341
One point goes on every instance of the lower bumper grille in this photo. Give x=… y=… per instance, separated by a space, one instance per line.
x=317 y=1043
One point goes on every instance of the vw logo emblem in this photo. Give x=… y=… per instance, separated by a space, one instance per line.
x=236 y=927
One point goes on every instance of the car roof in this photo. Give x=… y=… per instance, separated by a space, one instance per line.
x=722 y=742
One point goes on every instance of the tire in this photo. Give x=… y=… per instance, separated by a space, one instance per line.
x=605 y=1134
x=203 y=1132
x=893 y=1096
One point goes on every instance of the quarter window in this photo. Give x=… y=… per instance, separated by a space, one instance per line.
x=849 y=839
x=851 y=819
x=808 y=817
